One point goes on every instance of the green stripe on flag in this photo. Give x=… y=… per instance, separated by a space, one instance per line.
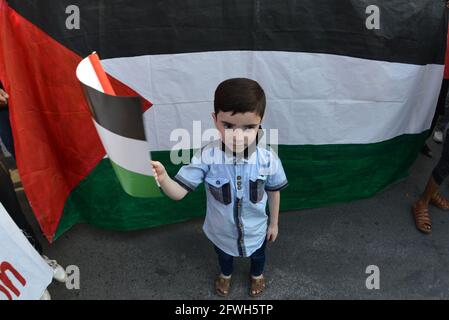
x=318 y=175
x=135 y=184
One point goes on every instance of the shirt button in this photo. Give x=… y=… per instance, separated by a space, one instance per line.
x=217 y=182
x=238 y=188
x=239 y=177
x=240 y=225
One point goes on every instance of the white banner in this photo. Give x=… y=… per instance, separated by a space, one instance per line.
x=24 y=275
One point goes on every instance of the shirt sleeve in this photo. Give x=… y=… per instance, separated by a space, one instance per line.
x=192 y=175
x=276 y=179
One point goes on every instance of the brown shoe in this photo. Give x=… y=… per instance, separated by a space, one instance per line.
x=222 y=286
x=257 y=286
x=422 y=218
x=439 y=201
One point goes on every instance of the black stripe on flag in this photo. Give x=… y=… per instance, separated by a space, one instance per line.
x=411 y=31
x=120 y=115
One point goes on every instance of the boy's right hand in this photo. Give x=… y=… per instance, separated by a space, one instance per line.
x=160 y=174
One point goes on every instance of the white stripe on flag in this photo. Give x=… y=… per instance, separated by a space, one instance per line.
x=86 y=73
x=312 y=98
x=125 y=152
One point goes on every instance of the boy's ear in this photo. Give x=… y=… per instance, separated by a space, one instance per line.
x=214 y=116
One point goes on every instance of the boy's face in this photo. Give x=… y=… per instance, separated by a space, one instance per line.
x=237 y=131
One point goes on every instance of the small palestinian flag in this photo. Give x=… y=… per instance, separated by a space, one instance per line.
x=119 y=124
x=352 y=101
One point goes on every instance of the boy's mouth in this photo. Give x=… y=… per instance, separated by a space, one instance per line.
x=239 y=146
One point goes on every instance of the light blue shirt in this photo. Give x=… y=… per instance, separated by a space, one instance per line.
x=236 y=192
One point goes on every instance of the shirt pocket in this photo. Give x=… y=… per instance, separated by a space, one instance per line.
x=257 y=188
x=220 y=188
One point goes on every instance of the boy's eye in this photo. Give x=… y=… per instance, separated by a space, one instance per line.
x=245 y=128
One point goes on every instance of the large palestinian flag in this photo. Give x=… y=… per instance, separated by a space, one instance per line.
x=353 y=105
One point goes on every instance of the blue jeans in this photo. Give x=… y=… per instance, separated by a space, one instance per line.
x=226 y=261
x=5 y=131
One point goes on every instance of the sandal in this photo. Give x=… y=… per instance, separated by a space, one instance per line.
x=257 y=286
x=439 y=201
x=222 y=286
x=422 y=218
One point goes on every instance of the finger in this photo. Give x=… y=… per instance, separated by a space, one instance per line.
x=158 y=165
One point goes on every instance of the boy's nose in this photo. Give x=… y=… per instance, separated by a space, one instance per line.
x=238 y=135
x=238 y=132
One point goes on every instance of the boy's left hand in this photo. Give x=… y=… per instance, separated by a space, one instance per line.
x=272 y=232
x=3 y=98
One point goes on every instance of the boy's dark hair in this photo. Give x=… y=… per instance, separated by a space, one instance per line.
x=240 y=95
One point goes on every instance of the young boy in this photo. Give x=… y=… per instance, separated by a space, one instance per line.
x=240 y=177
